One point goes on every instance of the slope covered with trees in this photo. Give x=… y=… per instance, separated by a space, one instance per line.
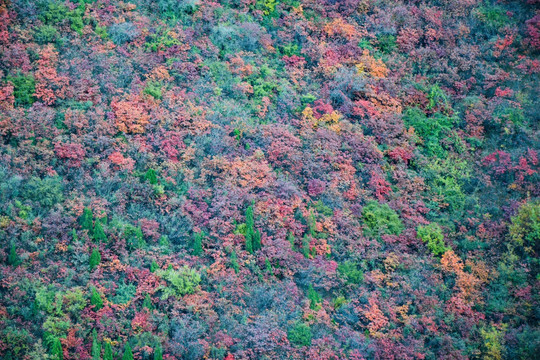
x=269 y=179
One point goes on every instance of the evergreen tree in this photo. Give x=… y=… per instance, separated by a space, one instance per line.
x=158 y=352
x=197 y=243
x=305 y=246
x=95 y=259
x=257 y=240
x=314 y=298
x=154 y=266
x=13 y=257
x=234 y=262
x=95 y=299
x=56 y=350
x=99 y=234
x=290 y=238
x=147 y=303
x=74 y=236
x=249 y=241
x=107 y=352
x=128 y=354
x=96 y=346
x=151 y=176
x=86 y=219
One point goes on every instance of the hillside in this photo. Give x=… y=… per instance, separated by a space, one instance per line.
x=269 y=179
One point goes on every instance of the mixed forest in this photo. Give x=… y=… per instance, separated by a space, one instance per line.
x=269 y=179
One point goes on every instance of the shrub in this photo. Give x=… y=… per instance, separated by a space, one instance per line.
x=153 y=88
x=525 y=227
x=179 y=282
x=381 y=219
x=46 y=192
x=123 y=33
x=433 y=236
x=46 y=34
x=300 y=335
x=350 y=272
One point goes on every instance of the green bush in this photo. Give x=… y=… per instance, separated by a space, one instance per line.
x=433 y=236
x=179 y=282
x=153 y=88
x=525 y=228
x=47 y=191
x=124 y=293
x=350 y=272
x=300 y=335
x=46 y=34
x=381 y=219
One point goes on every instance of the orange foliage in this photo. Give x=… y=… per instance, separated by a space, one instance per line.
x=131 y=115
x=377 y=320
x=340 y=27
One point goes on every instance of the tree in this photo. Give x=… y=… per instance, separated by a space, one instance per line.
x=154 y=266
x=314 y=298
x=151 y=176
x=95 y=259
x=128 y=354
x=13 y=257
x=158 y=352
x=99 y=234
x=147 y=302
x=96 y=346
x=197 y=243
x=56 y=350
x=234 y=262
x=85 y=220
x=252 y=236
x=107 y=352
x=95 y=299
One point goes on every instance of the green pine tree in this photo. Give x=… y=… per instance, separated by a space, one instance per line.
x=95 y=259
x=86 y=220
x=128 y=354
x=151 y=176
x=74 y=236
x=96 y=300
x=314 y=298
x=249 y=241
x=13 y=257
x=56 y=350
x=147 y=303
x=158 y=352
x=234 y=262
x=290 y=238
x=305 y=246
x=257 y=240
x=107 y=352
x=197 y=243
x=154 y=266
x=268 y=266
x=96 y=346
x=99 y=234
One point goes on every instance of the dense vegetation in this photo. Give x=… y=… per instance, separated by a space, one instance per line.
x=269 y=179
